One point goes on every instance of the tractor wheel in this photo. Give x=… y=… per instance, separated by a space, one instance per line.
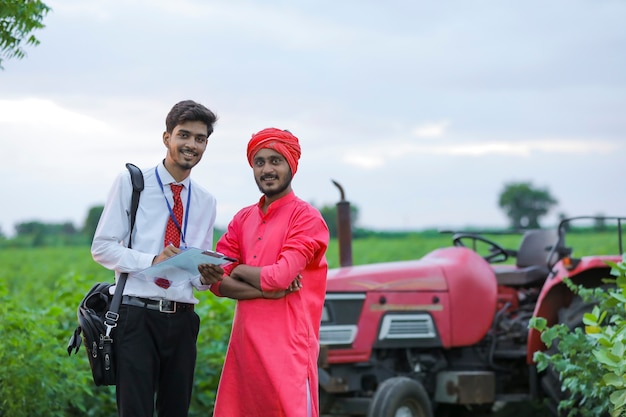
x=572 y=317
x=400 y=397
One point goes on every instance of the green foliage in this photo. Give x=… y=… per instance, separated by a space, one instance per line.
x=18 y=18
x=91 y=223
x=37 y=377
x=38 y=234
x=606 y=326
x=402 y=246
x=524 y=204
x=385 y=249
x=46 y=286
x=590 y=361
x=579 y=372
x=216 y=320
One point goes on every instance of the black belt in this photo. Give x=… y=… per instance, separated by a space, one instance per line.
x=164 y=306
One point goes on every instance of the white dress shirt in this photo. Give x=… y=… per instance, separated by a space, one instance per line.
x=111 y=237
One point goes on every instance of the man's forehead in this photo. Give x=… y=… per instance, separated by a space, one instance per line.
x=196 y=127
x=265 y=153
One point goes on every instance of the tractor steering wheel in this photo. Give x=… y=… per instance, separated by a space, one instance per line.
x=496 y=252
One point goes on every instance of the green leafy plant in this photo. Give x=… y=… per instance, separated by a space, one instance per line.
x=589 y=360
x=35 y=378
x=606 y=326
x=39 y=293
x=17 y=20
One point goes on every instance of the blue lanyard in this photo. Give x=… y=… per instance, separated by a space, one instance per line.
x=169 y=207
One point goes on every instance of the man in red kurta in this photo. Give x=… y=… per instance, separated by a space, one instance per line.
x=279 y=283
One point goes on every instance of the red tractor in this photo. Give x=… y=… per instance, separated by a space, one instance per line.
x=448 y=332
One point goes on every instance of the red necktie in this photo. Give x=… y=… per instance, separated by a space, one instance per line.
x=172 y=233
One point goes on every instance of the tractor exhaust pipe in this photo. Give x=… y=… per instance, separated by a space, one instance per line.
x=344 y=228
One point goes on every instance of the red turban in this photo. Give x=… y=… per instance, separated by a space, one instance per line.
x=282 y=141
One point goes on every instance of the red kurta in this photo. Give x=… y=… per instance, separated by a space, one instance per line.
x=274 y=344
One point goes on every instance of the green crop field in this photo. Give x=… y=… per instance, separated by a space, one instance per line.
x=41 y=288
x=414 y=246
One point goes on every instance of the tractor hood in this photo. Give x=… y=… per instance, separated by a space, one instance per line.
x=455 y=286
x=422 y=274
x=442 y=270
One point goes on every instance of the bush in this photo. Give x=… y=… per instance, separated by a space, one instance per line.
x=216 y=316
x=606 y=326
x=589 y=361
x=37 y=378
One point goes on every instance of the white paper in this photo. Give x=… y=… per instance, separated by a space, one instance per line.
x=182 y=267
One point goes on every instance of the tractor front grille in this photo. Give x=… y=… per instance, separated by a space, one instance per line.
x=407 y=326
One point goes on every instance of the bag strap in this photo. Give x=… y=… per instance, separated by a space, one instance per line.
x=111 y=317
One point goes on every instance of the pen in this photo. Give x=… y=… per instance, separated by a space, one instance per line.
x=183 y=247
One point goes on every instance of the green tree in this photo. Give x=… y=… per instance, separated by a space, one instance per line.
x=93 y=216
x=524 y=204
x=329 y=213
x=46 y=234
x=18 y=18
x=29 y=228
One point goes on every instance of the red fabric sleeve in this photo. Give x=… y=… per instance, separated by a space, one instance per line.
x=307 y=240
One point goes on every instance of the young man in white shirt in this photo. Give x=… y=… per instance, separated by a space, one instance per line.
x=155 y=339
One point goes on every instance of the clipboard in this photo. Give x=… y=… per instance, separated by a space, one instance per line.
x=182 y=267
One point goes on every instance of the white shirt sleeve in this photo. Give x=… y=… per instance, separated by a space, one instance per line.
x=111 y=238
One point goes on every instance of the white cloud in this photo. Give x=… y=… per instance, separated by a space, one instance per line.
x=377 y=155
x=431 y=130
x=363 y=161
x=48 y=115
x=85 y=9
x=528 y=148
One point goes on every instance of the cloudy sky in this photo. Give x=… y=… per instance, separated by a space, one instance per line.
x=421 y=110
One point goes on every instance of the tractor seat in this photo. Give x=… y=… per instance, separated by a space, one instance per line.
x=531 y=264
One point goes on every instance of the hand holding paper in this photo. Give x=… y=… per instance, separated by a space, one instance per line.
x=183 y=267
x=210 y=273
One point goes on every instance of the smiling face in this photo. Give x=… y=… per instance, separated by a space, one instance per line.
x=272 y=174
x=185 y=146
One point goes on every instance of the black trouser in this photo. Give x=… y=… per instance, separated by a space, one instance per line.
x=155 y=352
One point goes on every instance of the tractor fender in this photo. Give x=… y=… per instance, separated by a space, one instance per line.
x=555 y=294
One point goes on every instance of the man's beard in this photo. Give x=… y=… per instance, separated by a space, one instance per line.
x=183 y=163
x=277 y=191
x=187 y=165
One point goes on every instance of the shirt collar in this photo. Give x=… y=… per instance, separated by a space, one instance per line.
x=280 y=202
x=167 y=179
